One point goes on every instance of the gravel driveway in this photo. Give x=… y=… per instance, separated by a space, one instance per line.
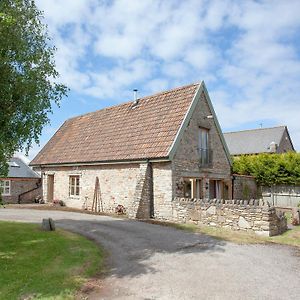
x=155 y=262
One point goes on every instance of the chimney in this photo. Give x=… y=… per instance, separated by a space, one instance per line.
x=135 y=98
x=273 y=147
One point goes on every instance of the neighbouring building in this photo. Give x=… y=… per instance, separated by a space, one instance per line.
x=262 y=140
x=145 y=153
x=20 y=182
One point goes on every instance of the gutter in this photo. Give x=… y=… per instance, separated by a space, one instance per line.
x=99 y=163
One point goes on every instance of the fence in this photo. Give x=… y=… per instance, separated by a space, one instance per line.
x=282 y=195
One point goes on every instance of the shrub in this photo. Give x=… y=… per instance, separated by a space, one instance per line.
x=270 y=169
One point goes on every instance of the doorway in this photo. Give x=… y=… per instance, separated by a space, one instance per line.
x=216 y=189
x=50 y=188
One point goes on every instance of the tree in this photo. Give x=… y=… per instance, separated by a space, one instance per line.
x=28 y=78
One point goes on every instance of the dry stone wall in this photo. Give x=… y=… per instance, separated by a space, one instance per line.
x=248 y=215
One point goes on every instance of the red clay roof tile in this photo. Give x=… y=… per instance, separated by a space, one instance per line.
x=121 y=132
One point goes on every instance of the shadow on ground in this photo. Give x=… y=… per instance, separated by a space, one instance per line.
x=133 y=245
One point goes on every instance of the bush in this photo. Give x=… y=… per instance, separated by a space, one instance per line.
x=270 y=169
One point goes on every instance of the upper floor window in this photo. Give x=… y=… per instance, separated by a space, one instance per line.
x=203 y=138
x=203 y=145
x=74 y=185
x=5 y=187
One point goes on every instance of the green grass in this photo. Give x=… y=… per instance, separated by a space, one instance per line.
x=290 y=237
x=42 y=264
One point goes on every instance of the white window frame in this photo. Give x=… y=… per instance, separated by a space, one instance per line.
x=74 y=188
x=4 y=186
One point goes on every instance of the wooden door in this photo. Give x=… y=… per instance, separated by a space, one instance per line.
x=50 y=188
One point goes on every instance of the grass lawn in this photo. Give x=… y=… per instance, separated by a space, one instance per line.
x=36 y=264
x=290 y=237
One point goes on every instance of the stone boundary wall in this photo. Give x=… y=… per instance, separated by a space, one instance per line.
x=245 y=187
x=248 y=215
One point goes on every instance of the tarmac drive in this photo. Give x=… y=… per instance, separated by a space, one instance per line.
x=156 y=262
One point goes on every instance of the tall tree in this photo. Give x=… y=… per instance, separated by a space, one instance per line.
x=28 y=78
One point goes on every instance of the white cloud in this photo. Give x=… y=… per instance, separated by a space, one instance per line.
x=246 y=51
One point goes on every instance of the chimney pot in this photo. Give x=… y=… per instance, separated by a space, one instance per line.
x=135 y=95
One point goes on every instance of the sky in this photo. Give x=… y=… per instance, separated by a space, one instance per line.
x=247 y=53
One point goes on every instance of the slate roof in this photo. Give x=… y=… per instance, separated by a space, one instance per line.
x=19 y=169
x=121 y=132
x=253 y=141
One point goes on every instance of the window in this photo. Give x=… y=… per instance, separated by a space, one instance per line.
x=193 y=188
x=74 y=186
x=203 y=138
x=188 y=188
x=5 y=187
x=204 y=151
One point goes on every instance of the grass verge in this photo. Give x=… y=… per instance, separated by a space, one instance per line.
x=290 y=237
x=38 y=264
x=63 y=208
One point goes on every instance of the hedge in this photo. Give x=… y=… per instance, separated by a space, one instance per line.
x=270 y=169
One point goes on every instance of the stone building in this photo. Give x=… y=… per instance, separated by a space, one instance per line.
x=145 y=153
x=20 y=182
x=262 y=140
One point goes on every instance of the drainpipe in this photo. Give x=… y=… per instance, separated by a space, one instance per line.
x=232 y=186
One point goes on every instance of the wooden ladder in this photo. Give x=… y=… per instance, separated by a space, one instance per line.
x=97 y=205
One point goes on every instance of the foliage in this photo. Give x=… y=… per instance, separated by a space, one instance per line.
x=27 y=77
x=270 y=169
x=44 y=264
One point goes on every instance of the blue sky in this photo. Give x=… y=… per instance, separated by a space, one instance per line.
x=247 y=52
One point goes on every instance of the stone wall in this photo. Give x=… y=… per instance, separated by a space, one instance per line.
x=162 y=190
x=144 y=189
x=142 y=200
x=31 y=196
x=117 y=184
x=248 y=215
x=19 y=186
x=245 y=187
x=186 y=159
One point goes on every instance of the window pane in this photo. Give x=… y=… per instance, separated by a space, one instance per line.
x=187 y=188
x=74 y=186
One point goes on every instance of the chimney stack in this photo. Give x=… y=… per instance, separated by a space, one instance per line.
x=135 y=98
x=273 y=147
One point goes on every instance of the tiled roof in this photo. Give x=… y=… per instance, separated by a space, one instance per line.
x=19 y=169
x=253 y=141
x=121 y=132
